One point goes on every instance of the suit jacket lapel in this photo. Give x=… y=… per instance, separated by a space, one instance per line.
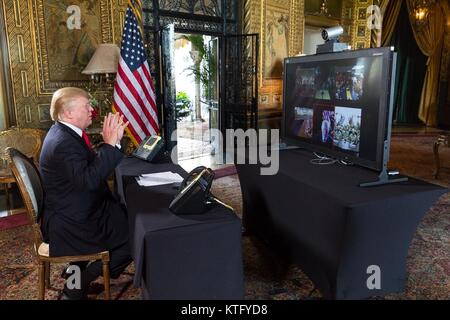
x=75 y=135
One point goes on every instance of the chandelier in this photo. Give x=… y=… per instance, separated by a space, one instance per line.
x=324 y=8
x=420 y=11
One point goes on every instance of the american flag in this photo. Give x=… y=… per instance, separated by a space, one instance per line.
x=134 y=92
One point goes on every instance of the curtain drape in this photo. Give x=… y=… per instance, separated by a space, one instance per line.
x=390 y=11
x=430 y=40
x=411 y=69
x=375 y=36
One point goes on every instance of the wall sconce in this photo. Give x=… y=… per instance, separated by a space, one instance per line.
x=420 y=11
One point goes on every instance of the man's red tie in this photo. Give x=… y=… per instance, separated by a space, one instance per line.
x=86 y=139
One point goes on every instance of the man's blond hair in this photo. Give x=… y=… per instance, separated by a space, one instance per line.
x=62 y=99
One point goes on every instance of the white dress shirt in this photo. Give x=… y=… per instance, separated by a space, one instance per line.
x=80 y=132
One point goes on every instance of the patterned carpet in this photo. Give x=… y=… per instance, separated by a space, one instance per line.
x=266 y=275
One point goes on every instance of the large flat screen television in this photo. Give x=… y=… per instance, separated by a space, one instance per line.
x=339 y=104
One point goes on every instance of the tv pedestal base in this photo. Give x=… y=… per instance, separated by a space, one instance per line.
x=384 y=178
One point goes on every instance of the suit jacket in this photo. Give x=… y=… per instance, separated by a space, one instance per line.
x=80 y=214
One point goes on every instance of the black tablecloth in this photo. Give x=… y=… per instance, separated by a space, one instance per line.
x=179 y=256
x=320 y=218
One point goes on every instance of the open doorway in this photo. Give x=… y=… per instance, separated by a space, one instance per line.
x=195 y=71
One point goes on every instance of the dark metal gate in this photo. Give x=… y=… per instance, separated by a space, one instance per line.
x=237 y=59
x=239 y=87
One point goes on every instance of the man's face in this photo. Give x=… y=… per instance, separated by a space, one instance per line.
x=80 y=113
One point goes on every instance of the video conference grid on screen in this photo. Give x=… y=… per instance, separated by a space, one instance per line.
x=335 y=104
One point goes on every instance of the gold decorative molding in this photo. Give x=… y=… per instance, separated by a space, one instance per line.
x=281 y=9
x=254 y=22
x=24 y=78
x=26 y=39
x=96 y=30
x=297 y=27
x=121 y=19
x=17 y=15
x=118 y=9
x=361 y=35
x=27 y=113
x=20 y=47
x=255 y=18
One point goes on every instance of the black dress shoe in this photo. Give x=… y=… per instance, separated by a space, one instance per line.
x=66 y=297
x=64 y=273
x=73 y=294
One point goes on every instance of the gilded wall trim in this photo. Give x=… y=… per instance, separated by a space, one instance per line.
x=255 y=11
x=24 y=78
x=17 y=15
x=117 y=10
x=18 y=65
x=21 y=48
x=31 y=85
x=361 y=35
x=28 y=118
x=45 y=85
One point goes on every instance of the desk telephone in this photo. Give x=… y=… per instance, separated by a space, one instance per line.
x=195 y=193
x=149 y=148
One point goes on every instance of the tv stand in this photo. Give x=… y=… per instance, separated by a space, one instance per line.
x=384 y=178
x=285 y=146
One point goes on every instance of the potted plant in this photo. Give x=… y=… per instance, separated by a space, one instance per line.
x=183 y=106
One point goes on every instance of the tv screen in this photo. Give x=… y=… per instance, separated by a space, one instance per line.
x=338 y=104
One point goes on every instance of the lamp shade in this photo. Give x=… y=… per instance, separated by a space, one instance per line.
x=104 y=60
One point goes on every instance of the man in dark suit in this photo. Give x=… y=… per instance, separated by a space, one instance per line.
x=81 y=216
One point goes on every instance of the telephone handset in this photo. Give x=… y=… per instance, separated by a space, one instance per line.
x=201 y=173
x=194 y=196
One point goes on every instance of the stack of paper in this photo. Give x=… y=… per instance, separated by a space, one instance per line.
x=159 y=178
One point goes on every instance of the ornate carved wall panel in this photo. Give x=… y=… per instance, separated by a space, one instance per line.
x=361 y=34
x=280 y=24
x=49 y=44
x=201 y=7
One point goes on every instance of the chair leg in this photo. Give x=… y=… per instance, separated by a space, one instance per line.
x=41 y=272
x=8 y=205
x=436 y=158
x=106 y=280
x=47 y=275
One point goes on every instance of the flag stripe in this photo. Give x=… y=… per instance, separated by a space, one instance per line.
x=130 y=129
x=128 y=115
x=138 y=118
x=128 y=100
x=149 y=95
x=133 y=83
x=145 y=74
x=134 y=93
x=149 y=78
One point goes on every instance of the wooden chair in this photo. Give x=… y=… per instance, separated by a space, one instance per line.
x=30 y=186
x=28 y=141
x=443 y=139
